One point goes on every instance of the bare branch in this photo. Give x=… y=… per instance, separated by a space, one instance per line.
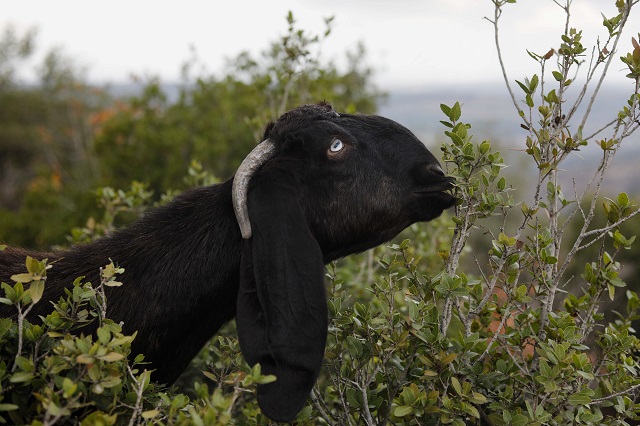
x=505 y=317
x=614 y=395
x=496 y=18
x=623 y=21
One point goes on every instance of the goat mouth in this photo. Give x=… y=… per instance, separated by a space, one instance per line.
x=444 y=188
x=443 y=185
x=443 y=194
x=433 y=191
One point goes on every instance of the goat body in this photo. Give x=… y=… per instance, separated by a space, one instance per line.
x=181 y=276
x=333 y=184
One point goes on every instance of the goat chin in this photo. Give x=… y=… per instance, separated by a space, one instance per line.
x=331 y=185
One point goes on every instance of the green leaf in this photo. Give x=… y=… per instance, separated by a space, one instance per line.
x=354 y=398
x=446 y=109
x=305 y=413
x=104 y=335
x=22 y=278
x=150 y=414
x=8 y=407
x=144 y=379
x=502 y=184
x=85 y=359
x=583 y=397
x=455 y=138
x=21 y=377
x=586 y=375
x=33 y=266
x=210 y=376
x=545 y=370
x=519 y=420
x=478 y=398
x=456 y=112
x=529 y=101
x=612 y=291
x=402 y=411
x=456 y=385
x=524 y=88
x=533 y=84
x=111 y=357
x=471 y=410
x=69 y=387
x=36 y=289
x=354 y=346
x=623 y=199
x=507 y=241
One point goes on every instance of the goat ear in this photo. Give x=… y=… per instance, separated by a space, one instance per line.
x=282 y=307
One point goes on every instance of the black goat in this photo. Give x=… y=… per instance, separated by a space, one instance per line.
x=321 y=185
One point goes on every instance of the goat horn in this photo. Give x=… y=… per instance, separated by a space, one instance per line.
x=256 y=158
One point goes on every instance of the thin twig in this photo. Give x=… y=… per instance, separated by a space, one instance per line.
x=137 y=409
x=505 y=316
x=496 y=18
x=623 y=21
x=21 y=318
x=318 y=402
x=613 y=395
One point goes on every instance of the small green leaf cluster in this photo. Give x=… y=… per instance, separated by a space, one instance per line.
x=118 y=206
x=618 y=209
x=632 y=60
x=571 y=48
x=48 y=374
x=386 y=360
x=51 y=372
x=613 y=24
x=476 y=169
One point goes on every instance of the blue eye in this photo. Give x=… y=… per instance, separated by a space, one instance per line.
x=336 y=145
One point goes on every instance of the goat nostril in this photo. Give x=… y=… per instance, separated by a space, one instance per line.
x=436 y=169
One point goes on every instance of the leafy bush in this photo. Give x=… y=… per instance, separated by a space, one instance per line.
x=51 y=373
x=424 y=331
x=495 y=346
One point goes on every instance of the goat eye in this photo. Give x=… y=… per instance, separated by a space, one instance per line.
x=336 y=145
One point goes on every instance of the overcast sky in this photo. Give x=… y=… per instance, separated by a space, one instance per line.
x=409 y=42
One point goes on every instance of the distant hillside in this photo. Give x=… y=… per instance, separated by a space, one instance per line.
x=492 y=115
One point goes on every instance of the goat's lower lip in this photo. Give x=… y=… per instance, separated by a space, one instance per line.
x=440 y=187
x=445 y=195
x=434 y=191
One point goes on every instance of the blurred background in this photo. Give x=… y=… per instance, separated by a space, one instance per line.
x=168 y=94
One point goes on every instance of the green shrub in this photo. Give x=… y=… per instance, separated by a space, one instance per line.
x=424 y=331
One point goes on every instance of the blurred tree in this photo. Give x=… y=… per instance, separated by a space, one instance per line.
x=217 y=120
x=17 y=111
x=46 y=137
x=62 y=138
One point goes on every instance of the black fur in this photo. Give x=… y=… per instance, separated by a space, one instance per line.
x=187 y=267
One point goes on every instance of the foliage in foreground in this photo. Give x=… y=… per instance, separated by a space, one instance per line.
x=515 y=341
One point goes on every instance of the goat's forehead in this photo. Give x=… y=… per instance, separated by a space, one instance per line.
x=366 y=128
x=307 y=113
x=381 y=129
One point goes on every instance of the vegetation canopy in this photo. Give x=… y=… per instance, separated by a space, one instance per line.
x=427 y=330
